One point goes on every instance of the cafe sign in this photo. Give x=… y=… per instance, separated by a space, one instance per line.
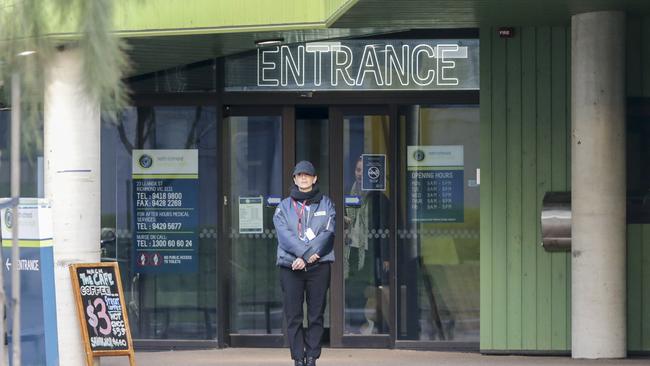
x=358 y=65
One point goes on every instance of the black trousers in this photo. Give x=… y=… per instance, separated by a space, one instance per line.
x=295 y=285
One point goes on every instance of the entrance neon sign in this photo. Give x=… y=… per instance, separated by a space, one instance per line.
x=372 y=66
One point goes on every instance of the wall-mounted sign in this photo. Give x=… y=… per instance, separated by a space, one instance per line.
x=166 y=217
x=432 y=64
x=251 y=215
x=374 y=172
x=435 y=189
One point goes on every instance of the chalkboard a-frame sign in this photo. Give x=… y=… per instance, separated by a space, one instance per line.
x=102 y=314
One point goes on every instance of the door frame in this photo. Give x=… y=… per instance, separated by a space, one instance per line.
x=337 y=303
x=285 y=104
x=224 y=249
x=339 y=103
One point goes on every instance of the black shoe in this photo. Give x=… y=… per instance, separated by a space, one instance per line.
x=310 y=361
x=298 y=363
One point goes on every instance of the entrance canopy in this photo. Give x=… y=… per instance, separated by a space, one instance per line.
x=164 y=34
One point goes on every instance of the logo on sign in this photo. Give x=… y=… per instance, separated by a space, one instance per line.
x=419 y=155
x=9 y=218
x=145 y=161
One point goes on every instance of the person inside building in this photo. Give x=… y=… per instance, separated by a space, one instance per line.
x=366 y=258
x=304 y=223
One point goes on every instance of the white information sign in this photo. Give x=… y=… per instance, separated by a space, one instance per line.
x=435 y=156
x=251 y=215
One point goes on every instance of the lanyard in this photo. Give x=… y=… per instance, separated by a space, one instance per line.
x=300 y=214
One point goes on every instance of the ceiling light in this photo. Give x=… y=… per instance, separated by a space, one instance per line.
x=269 y=42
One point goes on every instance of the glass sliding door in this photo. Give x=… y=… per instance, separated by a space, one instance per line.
x=254 y=185
x=367 y=213
x=312 y=144
x=438 y=224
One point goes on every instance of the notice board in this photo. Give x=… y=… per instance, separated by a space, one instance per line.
x=165 y=211
x=435 y=183
x=101 y=310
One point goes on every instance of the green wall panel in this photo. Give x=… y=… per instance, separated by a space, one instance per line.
x=486 y=190
x=180 y=17
x=525 y=145
x=529 y=191
x=526 y=151
x=638 y=287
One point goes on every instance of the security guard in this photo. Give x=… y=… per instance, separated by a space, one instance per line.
x=304 y=223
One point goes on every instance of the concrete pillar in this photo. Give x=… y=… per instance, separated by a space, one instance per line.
x=598 y=310
x=72 y=183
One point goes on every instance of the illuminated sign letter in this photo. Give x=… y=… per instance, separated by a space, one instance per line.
x=415 y=61
x=448 y=50
x=397 y=64
x=263 y=66
x=317 y=50
x=289 y=64
x=341 y=67
x=370 y=64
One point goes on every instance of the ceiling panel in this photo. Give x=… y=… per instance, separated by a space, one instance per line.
x=474 y=13
x=368 y=17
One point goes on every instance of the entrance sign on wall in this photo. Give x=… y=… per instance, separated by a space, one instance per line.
x=435 y=189
x=374 y=172
x=166 y=217
x=432 y=64
x=102 y=311
x=251 y=215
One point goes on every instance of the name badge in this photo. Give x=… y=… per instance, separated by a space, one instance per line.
x=319 y=213
x=309 y=233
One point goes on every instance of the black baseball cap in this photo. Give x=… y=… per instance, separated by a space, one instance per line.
x=304 y=167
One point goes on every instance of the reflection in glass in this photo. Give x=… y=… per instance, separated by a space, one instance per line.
x=438 y=225
x=31 y=158
x=367 y=228
x=312 y=144
x=255 y=171
x=162 y=306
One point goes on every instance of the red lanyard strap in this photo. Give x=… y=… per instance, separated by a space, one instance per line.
x=300 y=214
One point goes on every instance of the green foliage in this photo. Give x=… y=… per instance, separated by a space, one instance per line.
x=23 y=27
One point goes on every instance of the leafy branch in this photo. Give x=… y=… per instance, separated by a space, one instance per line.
x=26 y=47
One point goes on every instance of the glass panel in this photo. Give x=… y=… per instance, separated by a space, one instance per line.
x=438 y=226
x=312 y=144
x=31 y=156
x=197 y=77
x=255 y=172
x=367 y=224
x=162 y=305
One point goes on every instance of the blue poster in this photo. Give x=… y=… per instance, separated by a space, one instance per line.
x=435 y=188
x=374 y=172
x=166 y=217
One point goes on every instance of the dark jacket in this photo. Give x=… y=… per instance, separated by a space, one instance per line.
x=320 y=217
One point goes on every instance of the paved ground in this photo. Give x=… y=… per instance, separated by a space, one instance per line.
x=348 y=357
